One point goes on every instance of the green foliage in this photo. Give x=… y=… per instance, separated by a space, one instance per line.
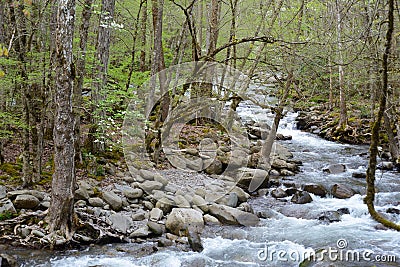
x=7 y=215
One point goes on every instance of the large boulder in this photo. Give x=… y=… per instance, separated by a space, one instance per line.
x=181 y=221
x=335 y=168
x=113 y=200
x=233 y=216
x=26 y=202
x=301 y=197
x=315 y=189
x=246 y=175
x=342 y=191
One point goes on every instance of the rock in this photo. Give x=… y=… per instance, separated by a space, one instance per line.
x=139 y=215
x=6 y=206
x=215 y=167
x=96 y=202
x=247 y=175
x=38 y=233
x=285 y=172
x=149 y=186
x=195 y=241
x=393 y=211
x=278 y=193
x=315 y=189
x=132 y=193
x=165 y=205
x=192 y=151
x=241 y=194
x=210 y=220
x=26 y=202
x=3 y=192
x=181 y=202
x=161 y=179
x=141 y=232
x=343 y=211
x=181 y=220
x=194 y=163
x=148 y=205
x=279 y=164
x=81 y=194
x=232 y=200
x=233 y=216
x=359 y=175
x=156 y=228
x=281 y=152
x=301 y=197
x=335 y=168
x=113 y=200
x=385 y=165
x=238 y=159
x=146 y=174
x=164 y=242
x=291 y=191
x=7 y=261
x=330 y=217
x=267 y=214
x=200 y=202
x=283 y=137
x=342 y=191
x=120 y=222
x=246 y=207
x=13 y=194
x=274 y=173
x=156 y=214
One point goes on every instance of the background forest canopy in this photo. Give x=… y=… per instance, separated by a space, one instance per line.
x=330 y=49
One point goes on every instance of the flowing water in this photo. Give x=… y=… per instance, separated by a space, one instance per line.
x=293 y=232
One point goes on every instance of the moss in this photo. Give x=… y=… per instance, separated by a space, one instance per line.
x=7 y=215
x=14 y=170
x=47 y=177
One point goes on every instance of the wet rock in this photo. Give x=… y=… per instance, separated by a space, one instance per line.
x=330 y=217
x=7 y=260
x=278 y=193
x=274 y=173
x=156 y=228
x=156 y=214
x=285 y=172
x=132 y=193
x=164 y=242
x=279 y=164
x=267 y=214
x=335 y=168
x=181 y=220
x=283 y=137
x=301 y=197
x=282 y=152
x=246 y=207
x=385 y=165
x=6 y=206
x=233 y=216
x=113 y=200
x=291 y=191
x=343 y=211
x=96 y=202
x=149 y=186
x=393 y=211
x=195 y=241
x=247 y=175
x=342 y=191
x=26 y=202
x=315 y=189
x=359 y=175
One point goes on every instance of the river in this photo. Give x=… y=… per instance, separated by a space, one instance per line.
x=292 y=231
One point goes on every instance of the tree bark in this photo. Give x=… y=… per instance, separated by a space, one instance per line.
x=370 y=197
x=143 y=31
x=342 y=93
x=80 y=73
x=60 y=217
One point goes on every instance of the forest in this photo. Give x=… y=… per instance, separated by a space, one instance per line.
x=89 y=88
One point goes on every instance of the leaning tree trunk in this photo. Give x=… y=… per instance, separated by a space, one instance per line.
x=60 y=217
x=370 y=197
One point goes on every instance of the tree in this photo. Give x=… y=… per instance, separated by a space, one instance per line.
x=370 y=197
x=60 y=217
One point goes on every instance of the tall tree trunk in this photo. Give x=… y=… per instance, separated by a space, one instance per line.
x=2 y=24
x=100 y=79
x=373 y=149
x=80 y=73
x=60 y=217
x=342 y=93
x=143 y=31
